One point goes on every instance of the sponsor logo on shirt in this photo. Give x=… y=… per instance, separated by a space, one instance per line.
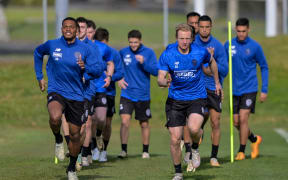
x=127 y=59
x=233 y=50
x=57 y=54
x=185 y=74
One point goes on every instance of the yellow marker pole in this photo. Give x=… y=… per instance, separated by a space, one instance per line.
x=56 y=160
x=230 y=93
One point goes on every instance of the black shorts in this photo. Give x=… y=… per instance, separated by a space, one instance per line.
x=76 y=112
x=142 y=108
x=214 y=101
x=246 y=101
x=100 y=100
x=111 y=106
x=90 y=105
x=177 y=111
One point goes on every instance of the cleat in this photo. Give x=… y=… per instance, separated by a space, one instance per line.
x=84 y=161
x=187 y=157
x=178 y=176
x=122 y=155
x=103 y=156
x=145 y=155
x=195 y=158
x=190 y=167
x=100 y=143
x=182 y=143
x=96 y=154
x=78 y=163
x=59 y=151
x=240 y=156
x=72 y=175
x=255 y=147
x=214 y=162
x=90 y=159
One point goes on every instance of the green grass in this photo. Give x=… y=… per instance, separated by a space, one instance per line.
x=26 y=142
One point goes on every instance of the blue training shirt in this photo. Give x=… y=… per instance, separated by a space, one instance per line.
x=220 y=58
x=118 y=72
x=138 y=75
x=106 y=54
x=186 y=72
x=245 y=56
x=64 y=74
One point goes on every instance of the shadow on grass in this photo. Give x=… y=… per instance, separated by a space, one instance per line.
x=88 y=177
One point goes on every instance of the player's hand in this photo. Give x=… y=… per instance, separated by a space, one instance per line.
x=122 y=84
x=107 y=81
x=218 y=88
x=263 y=97
x=169 y=79
x=139 y=58
x=211 y=51
x=80 y=62
x=42 y=84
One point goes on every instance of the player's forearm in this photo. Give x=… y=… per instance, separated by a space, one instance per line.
x=214 y=69
x=38 y=63
x=110 y=68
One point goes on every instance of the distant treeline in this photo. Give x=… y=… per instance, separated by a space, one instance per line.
x=25 y=2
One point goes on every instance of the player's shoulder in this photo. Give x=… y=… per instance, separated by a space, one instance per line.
x=253 y=42
x=196 y=48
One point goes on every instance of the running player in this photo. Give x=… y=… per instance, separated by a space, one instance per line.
x=187 y=94
x=69 y=60
x=246 y=54
x=206 y=40
x=139 y=63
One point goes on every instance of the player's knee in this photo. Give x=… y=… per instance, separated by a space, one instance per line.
x=55 y=120
x=194 y=130
x=215 y=125
x=175 y=141
x=75 y=136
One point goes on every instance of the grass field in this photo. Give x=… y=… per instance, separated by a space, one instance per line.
x=27 y=145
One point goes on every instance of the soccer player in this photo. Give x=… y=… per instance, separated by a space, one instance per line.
x=139 y=63
x=86 y=158
x=101 y=84
x=246 y=54
x=69 y=61
x=187 y=94
x=103 y=36
x=206 y=40
x=192 y=20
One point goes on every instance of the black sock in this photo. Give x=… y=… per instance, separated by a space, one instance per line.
x=105 y=144
x=85 y=151
x=187 y=147
x=98 y=132
x=89 y=149
x=214 y=151
x=67 y=139
x=252 y=138
x=242 y=148
x=58 y=137
x=72 y=163
x=195 y=145
x=146 y=148
x=94 y=143
x=178 y=168
x=124 y=147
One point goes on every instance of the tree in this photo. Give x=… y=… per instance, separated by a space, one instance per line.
x=4 y=34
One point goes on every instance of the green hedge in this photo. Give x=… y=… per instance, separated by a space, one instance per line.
x=28 y=2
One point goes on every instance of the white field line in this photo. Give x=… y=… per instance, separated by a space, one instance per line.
x=282 y=133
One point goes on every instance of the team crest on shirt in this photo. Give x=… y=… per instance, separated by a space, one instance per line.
x=248 y=102
x=176 y=64
x=57 y=54
x=194 y=62
x=247 y=51
x=127 y=59
x=77 y=55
